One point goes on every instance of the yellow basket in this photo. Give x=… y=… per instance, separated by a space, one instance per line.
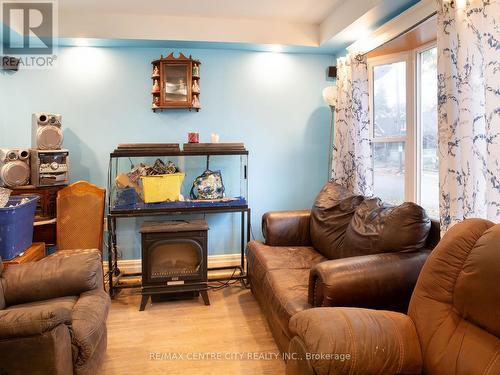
x=161 y=188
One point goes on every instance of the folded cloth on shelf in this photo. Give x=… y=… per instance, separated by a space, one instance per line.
x=4 y=196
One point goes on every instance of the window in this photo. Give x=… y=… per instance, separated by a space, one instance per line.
x=389 y=132
x=428 y=141
x=403 y=90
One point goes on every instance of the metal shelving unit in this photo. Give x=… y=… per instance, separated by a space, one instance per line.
x=115 y=275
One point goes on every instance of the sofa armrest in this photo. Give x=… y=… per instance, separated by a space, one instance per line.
x=434 y=235
x=31 y=320
x=52 y=278
x=286 y=228
x=379 y=281
x=353 y=341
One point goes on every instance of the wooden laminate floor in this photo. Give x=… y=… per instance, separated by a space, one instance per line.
x=232 y=327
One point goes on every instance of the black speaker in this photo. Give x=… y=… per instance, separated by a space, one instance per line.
x=332 y=71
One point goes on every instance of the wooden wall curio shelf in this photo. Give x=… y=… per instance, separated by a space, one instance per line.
x=176 y=83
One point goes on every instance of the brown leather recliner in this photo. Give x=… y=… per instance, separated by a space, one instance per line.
x=53 y=316
x=346 y=251
x=452 y=326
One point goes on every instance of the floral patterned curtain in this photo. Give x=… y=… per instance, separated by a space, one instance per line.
x=469 y=109
x=352 y=151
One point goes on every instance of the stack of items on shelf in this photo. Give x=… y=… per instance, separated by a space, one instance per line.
x=207 y=147
x=41 y=170
x=4 y=196
x=45 y=164
x=195 y=89
x=159 y=182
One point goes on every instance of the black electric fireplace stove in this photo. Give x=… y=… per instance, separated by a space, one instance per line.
x=174 y=259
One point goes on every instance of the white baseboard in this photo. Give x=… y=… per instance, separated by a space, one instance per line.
x=135 y=265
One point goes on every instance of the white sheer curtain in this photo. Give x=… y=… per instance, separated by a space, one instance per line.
x=352 y=151
x=469 y=109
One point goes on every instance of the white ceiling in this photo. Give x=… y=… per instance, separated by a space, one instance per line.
x=300 y=11
x=327 y=24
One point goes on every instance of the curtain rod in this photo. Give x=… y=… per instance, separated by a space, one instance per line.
x=362 y=55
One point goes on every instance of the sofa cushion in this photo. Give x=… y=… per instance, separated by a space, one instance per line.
x=262 y=258
x=279 y=277
x=89 y=324
x=330 y=216
x=276 y=257
x=381 y=228
x=285 y=294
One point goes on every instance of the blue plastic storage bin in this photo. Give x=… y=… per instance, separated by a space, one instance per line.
x=16 y=226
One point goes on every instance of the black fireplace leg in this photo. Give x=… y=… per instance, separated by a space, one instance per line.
x=144 y=302
x=204 y=295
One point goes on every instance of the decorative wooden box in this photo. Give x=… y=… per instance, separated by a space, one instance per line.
x=176 y=83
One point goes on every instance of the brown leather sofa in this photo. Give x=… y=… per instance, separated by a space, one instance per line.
x=53 y=316
x=452 y=326
x=346 y=251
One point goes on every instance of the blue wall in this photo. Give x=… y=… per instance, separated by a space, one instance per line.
x=270 y=101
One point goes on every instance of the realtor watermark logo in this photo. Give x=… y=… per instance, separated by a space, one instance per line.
x=29 y=33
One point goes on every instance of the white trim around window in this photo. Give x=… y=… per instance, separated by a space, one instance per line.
x=418 y=129
x=413 y=138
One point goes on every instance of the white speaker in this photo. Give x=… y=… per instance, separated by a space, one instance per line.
x=14 y=167
x=46 y=133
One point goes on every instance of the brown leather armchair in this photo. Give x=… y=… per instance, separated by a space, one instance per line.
x=53 y=316
x=452 y=326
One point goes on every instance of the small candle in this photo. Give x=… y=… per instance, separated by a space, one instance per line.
x=193 y=137
x=215 y=138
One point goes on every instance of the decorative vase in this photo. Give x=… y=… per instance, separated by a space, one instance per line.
x=156 y=86
x=196 y=102
x=156 y=72
x=196 y=71
x=196 y=87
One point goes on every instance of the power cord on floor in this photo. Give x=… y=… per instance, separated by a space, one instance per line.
x=224 y=284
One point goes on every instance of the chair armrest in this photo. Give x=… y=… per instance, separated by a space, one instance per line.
x=286 y=228
x=51 y=278
x=379 y=281
x=31 y=320
x=353 y=341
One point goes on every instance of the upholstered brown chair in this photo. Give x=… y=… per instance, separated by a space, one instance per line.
x=80 y=216
x=452 y=326
x=53 y=316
